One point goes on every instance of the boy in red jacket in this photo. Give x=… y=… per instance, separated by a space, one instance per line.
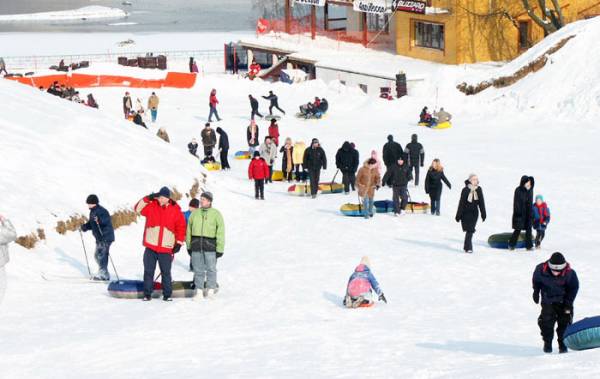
x=274 y=131
x=258 y=171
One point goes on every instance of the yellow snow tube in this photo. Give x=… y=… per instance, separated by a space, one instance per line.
x=212 y=166
x=443 y=125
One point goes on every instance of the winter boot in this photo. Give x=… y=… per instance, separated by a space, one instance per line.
x=147 y=298
x=358 y=302
x=210 y=294
x=547 y=347
x=167 y=298
x=562 y=348
x=348 y=301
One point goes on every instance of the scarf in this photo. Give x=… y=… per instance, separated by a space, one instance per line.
x=288 y=157
x=473 y=193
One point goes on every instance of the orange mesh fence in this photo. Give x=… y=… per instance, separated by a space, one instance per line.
x=172 y=80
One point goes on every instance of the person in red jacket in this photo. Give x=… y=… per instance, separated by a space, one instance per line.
x=258 y=171
x=274 y=131
x=254 y=69
x=212 y=103
x=164 y=235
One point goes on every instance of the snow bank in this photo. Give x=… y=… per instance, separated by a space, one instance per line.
x=86 y=13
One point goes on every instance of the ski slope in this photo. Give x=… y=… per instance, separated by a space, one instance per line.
x=287 y=259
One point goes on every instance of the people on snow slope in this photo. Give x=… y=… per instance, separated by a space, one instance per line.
x=558 y=285
x=541 y=218
x=100 y=223
x=361 y=285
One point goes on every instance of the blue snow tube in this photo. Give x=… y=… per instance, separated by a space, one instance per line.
x=584 y=334
x=134 y=289
x=384 y=206
x=500 y=241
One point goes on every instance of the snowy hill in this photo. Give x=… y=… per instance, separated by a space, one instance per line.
x=86 y=13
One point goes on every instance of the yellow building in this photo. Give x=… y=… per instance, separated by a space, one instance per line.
x=469 y=31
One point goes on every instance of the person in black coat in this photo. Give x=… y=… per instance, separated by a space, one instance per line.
x=223 y=148
x=470 y=203
x=522 y=218
x=433 y=185
x=315 y=159
x=101 y=226
x=558 y=284
x=397 y=177
x=193 y=148
x=274 y=103
x=347 y=161
x=137 y=119
x=416 y=156
x=254 y=106
x=392 y=151
x=355 y=168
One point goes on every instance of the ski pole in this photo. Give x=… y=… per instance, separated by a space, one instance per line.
x=85 y=253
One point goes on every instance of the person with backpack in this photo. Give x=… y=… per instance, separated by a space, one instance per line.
x=212 y=104
x=259 y=171
x=274 y=103
x=470 y=203
x=268 y=151
x=345 y=162
x=164 y=234
x=361 y=285
x=541 y=218
x=433 y=185
x=252 y=135
x=315 y=159
x=101 y=226
x=416 y=156
x=209 y=139
x=205 y=237
x=398 y=176
x=368 y=181
x=223 y=148
x=254 y=108
x=558 y=285
x=287 y=165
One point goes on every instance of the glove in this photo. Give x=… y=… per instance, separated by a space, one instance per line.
x=152 y=196
x=176 y=248
x=536 y=297
x=382 y=298
x=219 y=255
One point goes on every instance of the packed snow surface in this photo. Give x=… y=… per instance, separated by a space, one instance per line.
x=86 y=13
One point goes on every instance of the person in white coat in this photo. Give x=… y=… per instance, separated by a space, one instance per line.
x=7 y=235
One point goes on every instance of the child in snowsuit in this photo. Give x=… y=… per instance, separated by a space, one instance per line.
x=541 y=218
x=258 y=170
x=361 y=285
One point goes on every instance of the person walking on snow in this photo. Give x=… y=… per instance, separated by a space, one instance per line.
x=416 y=156
x=287 y=166
x=7 y=235
x=254 y=107
x=433 y=185
x=212 y=103
x=345 y=162
x=209 y=139
x=522 y=218
x=558 y=284
x=274 y=103
x=153 y=101
x=223 y=148
x=268 y=151
x=164 y=234
x=315 y=159
x=541 y=218
x=192 y=206
x=367 y=181
x=392 y=152
x=101 y=226
x=361 y=285
x=205 y=237
x=259 y=171
x=397 y=177
x=252 y=136
x=127 y=105
x=274 y=132
x=470 y=203
x=298 y=160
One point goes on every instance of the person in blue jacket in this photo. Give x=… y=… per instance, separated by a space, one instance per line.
x=558 y=284
x=541 y=218
x=361 y=285
x=193 y=205
x=101 y=226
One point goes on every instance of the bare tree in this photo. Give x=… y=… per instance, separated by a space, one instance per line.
x=550 y=19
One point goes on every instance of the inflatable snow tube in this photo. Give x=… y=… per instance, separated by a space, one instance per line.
x=212 y=166
x=134 y=289
x=242 y=155
x=324 y=188
x=277 y=176
x=500 y=241
x=441 y=125
x=352 y=210
x=384 y=206
x=584 y=334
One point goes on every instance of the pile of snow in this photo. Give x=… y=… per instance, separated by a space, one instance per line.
x=86 y=13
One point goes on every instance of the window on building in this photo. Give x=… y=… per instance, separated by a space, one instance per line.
x=524 y=42
x=378 y=22
x=429 y=35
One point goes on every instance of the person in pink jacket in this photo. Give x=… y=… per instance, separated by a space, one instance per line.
x=361 y=285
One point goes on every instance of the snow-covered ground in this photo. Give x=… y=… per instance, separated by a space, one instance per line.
x=93 y=12
x=287 y=259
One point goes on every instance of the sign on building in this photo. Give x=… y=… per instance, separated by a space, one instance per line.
x=373 y=6
x=318 y=3
x=412 y=6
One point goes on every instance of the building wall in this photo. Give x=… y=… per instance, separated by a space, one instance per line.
x=372 y=83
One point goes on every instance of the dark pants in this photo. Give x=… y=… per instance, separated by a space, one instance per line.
x=435 y=202
x=101 y=256
x=270 y=178
x=468 y=246
x=299 y=172
x=275 y=106
x=255 y=113
x=554 y=314
x=400 y=198
x=208 y=150
x=259 y=188
x=288 y=175
x=416 y=168
x=164 y=262
x=515 y=237
x=349 y=180
x=539 y=237
x=224 y=160
x=314 y=175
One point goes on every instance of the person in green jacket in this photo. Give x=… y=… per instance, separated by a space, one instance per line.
x=205 y=237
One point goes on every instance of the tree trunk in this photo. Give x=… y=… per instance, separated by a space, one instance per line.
x=549 y=20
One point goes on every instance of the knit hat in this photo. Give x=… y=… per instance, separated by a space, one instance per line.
x=194 y=203
x=256 y=154
x=92 y=200
x=207 y=195
x=314 y=140
x=391 y=138
x=365 y=261
x=557 y=262
x=539 y=197
x=166 y=192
